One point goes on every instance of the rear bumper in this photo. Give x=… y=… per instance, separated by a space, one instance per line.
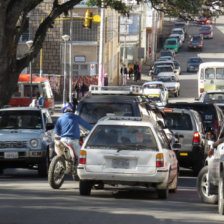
x=160 y=177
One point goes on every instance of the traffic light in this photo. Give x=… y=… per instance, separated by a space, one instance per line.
x=87 y=22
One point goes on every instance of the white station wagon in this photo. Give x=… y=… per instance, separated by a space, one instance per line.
x=128 y=151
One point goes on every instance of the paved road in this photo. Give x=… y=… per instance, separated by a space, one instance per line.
x=28 y=199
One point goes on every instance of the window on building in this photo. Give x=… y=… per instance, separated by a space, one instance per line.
x=81 y=69
x=79 y=33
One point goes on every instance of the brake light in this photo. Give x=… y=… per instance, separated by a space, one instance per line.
x=196 y=137
x=159 y=160
x=216 y=127
x=82 y=157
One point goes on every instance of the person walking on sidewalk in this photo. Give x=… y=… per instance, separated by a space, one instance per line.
x=136 y=71
x=124 y=73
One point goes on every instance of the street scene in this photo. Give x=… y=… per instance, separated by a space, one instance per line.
x=117 y=129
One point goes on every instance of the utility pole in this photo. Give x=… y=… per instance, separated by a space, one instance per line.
x=101 y=44
x=70 y=57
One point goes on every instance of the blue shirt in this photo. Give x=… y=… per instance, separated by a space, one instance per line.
x=41 y=101
x=68 y=125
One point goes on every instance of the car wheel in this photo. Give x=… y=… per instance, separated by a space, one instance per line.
x=202 y=187
x=85 y=187
x=43 y=166
x=221 y=196
x=163 y=193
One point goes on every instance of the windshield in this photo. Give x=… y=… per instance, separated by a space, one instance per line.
x=178 y=32
x=122 y=137
x=195 y=60
x=92 y=112
x=171 y=42
x=219 y=73
x=20 y=120
x=196 y=38
x=206 y=28
x=165 y=53
x=163 y=69
x=167 y=78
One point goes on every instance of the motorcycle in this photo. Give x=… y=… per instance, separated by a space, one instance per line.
x=63 y=163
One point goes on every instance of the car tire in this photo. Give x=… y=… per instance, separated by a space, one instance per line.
x=43 y=166
x=163 y=193
x=202 y=187
x=221 y=196
x=85 y=187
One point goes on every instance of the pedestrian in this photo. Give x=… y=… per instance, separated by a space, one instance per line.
x=84 y=89
x=105 y=80
x=130 y=70
x=124 y=73
x=136 y=71
x=139 y=72
x=34 y=102
x=41 y=100
x=77 y=90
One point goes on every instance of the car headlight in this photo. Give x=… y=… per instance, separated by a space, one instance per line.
x=34 y=143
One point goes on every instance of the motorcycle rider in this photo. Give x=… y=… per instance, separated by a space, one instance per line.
x=67 y=127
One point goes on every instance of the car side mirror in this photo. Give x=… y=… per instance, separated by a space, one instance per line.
x=49 y=126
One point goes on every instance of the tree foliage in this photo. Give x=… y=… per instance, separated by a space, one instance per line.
x=13 y=14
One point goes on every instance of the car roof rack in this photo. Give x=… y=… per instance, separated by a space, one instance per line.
x=121 y=90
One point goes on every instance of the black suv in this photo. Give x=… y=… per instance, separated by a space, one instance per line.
x=212 y=116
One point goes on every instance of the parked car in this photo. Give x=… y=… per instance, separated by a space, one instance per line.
x=164 y=58
x=177 y=69
x=196 y=42
x=179 y=31
x=128 y=151
x=161 y=68
x=188 y=123
x=181 y=25
x=210 y=181
x=171 y=81
x=211 y=114
x=206 y=31
x=164 y=62
x=178 y=37
x=171 y=43
x=193 y=64
x=26 y=138
x=156 y=92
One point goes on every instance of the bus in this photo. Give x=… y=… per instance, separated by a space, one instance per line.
x=210 y=76
x=21 y=97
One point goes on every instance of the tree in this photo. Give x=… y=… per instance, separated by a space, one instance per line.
x=13 y=15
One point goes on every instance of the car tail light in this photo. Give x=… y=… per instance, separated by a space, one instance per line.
x=159 y=160
x=216 y=127
x=82 y=157
x=196 y=137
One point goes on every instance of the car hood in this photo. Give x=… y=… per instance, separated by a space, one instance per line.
x=19 y=135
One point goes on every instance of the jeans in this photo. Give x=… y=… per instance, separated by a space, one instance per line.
x=75 y=145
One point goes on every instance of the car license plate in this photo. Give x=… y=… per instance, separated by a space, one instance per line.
x=11 y=155
x=120 y=163
x=183 y=154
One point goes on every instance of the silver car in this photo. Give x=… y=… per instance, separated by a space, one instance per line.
x=128 y=151
x=26 y=138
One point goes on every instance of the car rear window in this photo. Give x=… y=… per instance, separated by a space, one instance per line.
x=92 y=112
x=122 y=137
x=178 y=121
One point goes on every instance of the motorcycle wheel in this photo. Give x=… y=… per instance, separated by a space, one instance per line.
x=56 y=172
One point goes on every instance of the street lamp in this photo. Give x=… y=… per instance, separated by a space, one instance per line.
x=65 y=38
x=29 y=44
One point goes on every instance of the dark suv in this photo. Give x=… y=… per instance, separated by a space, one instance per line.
x=212 y=116
x=187 y=123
